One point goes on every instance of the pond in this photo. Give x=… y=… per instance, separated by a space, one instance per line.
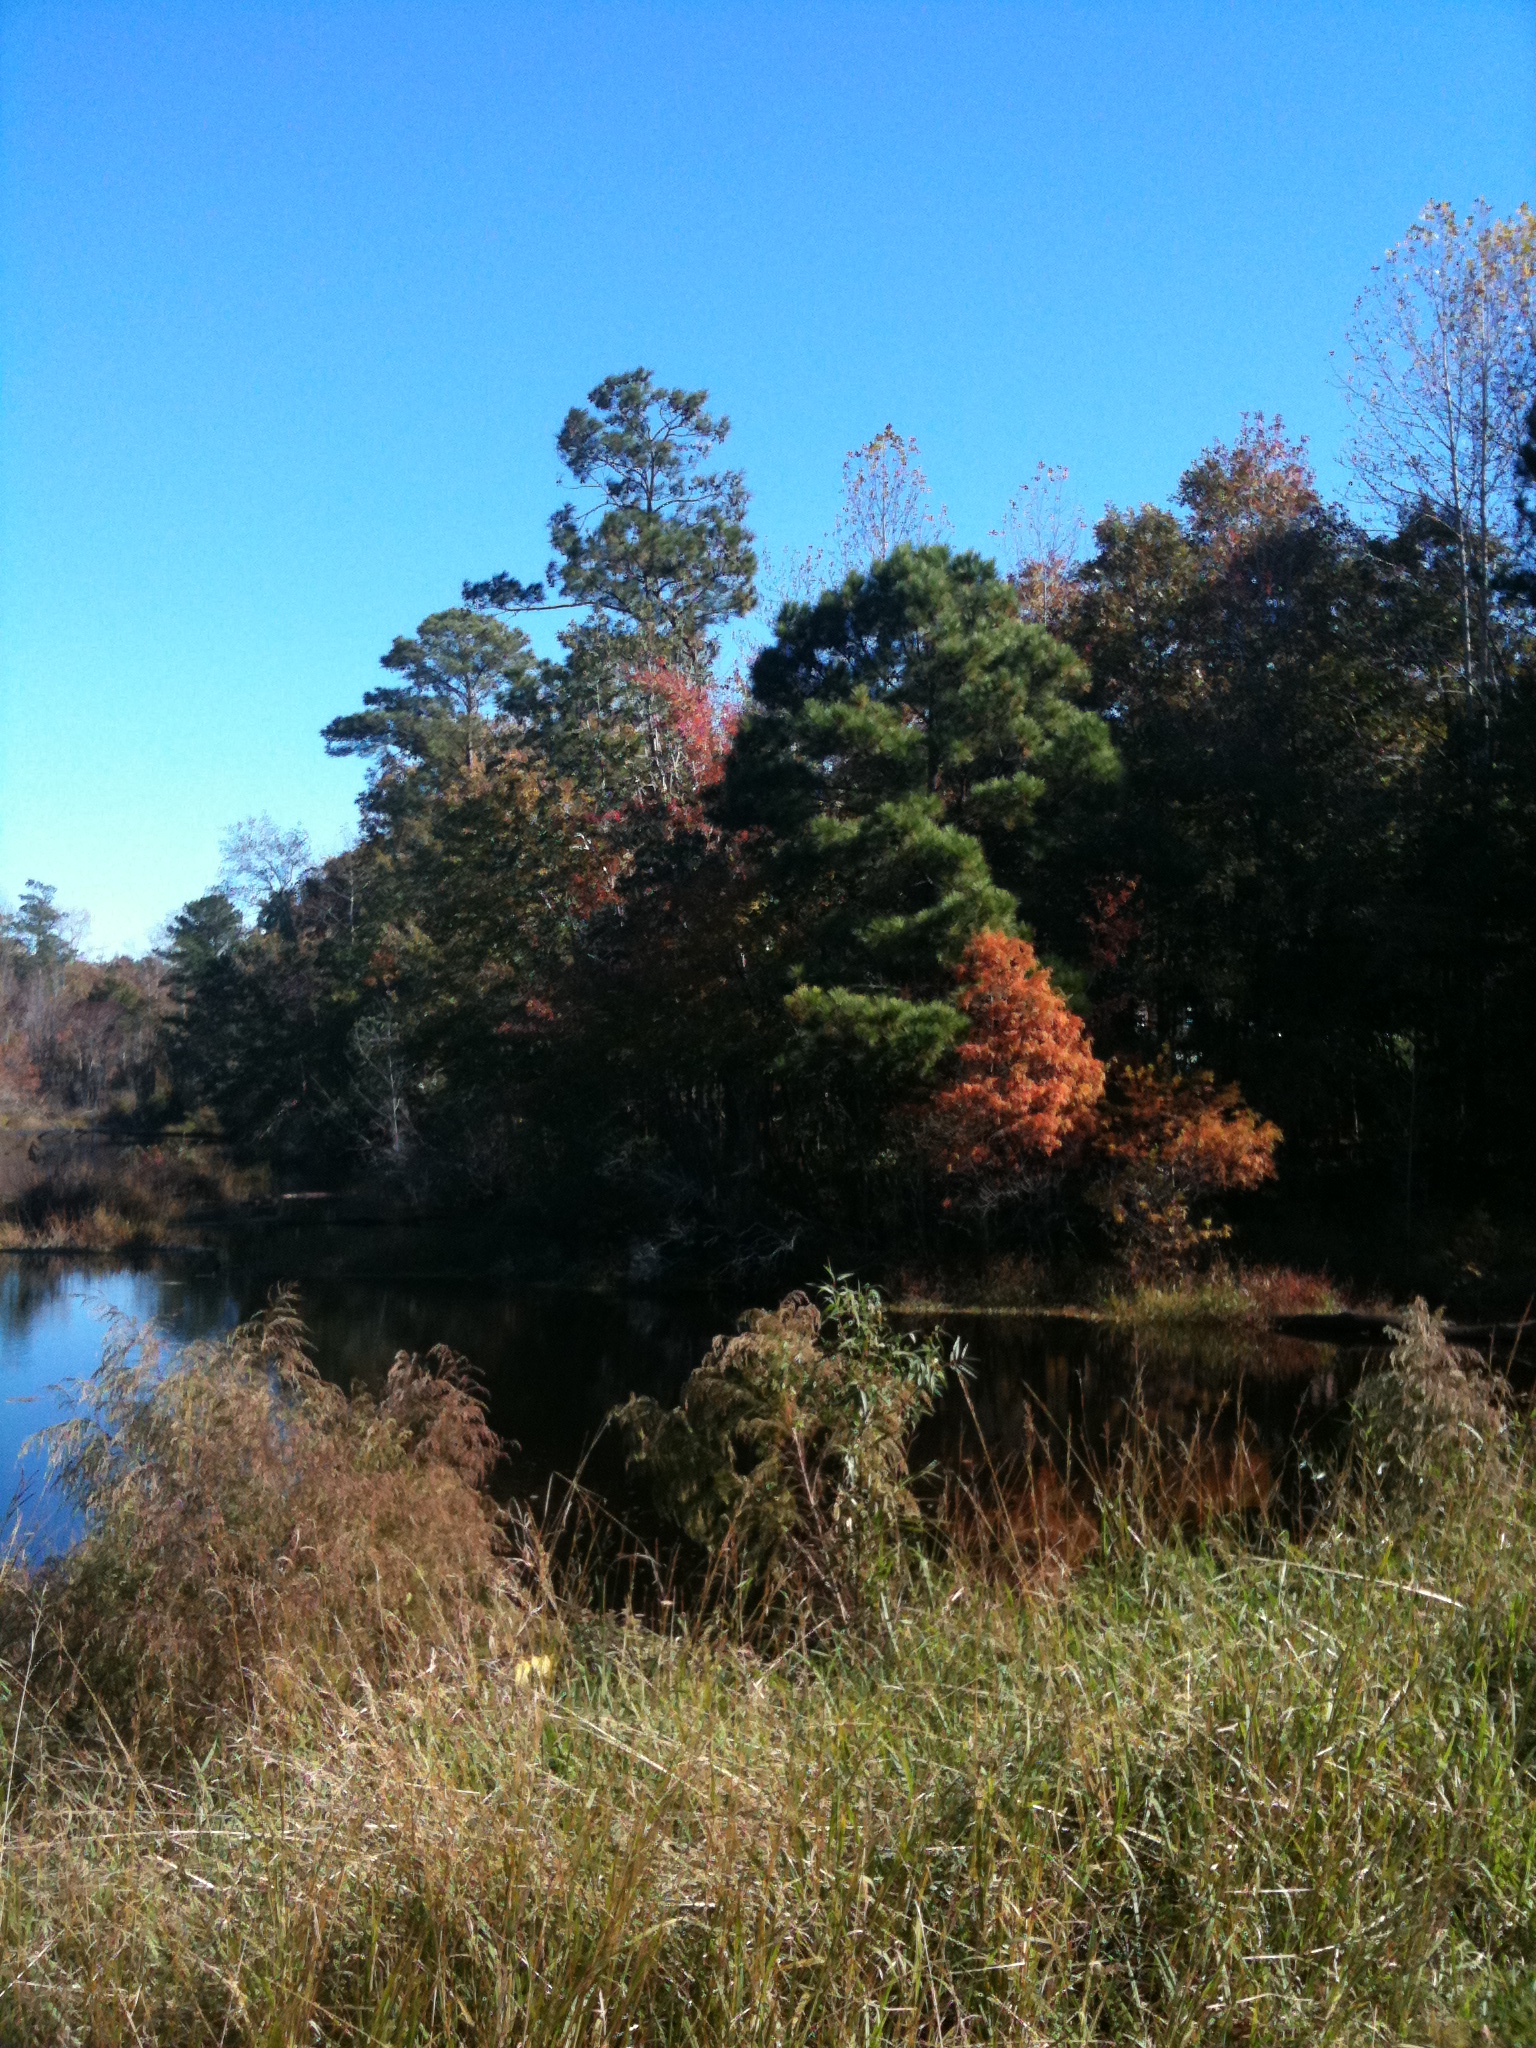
x=554 y=1361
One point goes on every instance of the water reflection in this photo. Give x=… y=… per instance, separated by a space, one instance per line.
x=1078 y=1394
x=55 y=1315
x=554 y=1361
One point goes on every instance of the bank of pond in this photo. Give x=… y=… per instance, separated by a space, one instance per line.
x=1195 y=1700
x=1063 y=1388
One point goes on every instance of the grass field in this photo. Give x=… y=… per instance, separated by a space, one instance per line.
x=300 y=1749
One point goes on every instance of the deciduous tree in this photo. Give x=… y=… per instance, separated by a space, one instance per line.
x=1027 y=1084
x=1442 y=371
x=887 y=502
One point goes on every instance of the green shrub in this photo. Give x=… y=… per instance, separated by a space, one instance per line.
x=1427 y=1419
x=787 y=1457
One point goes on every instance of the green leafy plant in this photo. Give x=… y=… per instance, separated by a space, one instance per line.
x=787 y=1457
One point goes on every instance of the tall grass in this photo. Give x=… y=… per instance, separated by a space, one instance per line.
x=124 y=1198
x=1213 y=1785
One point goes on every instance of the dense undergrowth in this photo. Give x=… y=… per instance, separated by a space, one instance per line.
x=126 y=1198
x=305 y=1742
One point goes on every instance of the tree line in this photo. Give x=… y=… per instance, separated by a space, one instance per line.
x=996 y=899
x=75 y=1033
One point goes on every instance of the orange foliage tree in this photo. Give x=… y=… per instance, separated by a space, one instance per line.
x=1029 y=1085
x=1169 y=1139
x=1031 y=1096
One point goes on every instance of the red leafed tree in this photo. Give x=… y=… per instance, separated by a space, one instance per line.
x=1029 y=1086
x=686 y=732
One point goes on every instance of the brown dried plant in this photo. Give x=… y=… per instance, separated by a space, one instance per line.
x=241 y=1515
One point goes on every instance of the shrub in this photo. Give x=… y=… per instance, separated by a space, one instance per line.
x=786 y=1459
x=1425 y=1421
x=239 y=1512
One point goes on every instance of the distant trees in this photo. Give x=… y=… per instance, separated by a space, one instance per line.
x=395 y=1004
x=73 y=1033
x=1324 y=823
x=46 y=934
x=18 y=1076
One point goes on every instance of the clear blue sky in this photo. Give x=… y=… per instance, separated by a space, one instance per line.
x=292 y=300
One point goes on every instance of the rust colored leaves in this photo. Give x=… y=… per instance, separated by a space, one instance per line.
x=1029 y=1085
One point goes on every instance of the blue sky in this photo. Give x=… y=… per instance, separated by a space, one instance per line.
x=292 y=300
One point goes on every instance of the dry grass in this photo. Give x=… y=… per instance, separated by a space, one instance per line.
x=1226 y=1293
x=1209 y=1786
x=128 y=1199
x=1239 y=1293
x=241 y=1515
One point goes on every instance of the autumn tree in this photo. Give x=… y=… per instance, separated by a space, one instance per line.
x=19 y=1079
x=1168 y=1139
x=1042 y=535
x=1026 y=1085
x=1442 y=369
x=1243 y=649
x=515 y=809
x=1262 y=487
x=887 y=502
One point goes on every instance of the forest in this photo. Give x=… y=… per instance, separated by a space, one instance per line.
x=906 y=901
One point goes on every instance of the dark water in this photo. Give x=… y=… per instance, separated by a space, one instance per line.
x=555 y=1361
